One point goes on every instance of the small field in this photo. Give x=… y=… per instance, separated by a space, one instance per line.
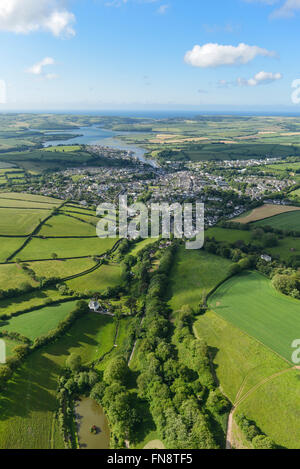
x=29 y=197
x=272 y=317
x=61 y=225
x=194 y=275
x=228 y=235
x=14 y=276
x=242 y=366
x=8 y=246
x=38 y=249
x=97 y=281
x=39 y=322
x=265 y=211
x=16 y=222
x=285 y=221
x=61 y=269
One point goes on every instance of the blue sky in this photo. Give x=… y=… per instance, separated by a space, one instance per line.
x=149 y=54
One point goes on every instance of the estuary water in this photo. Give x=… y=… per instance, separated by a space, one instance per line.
x=96 y=136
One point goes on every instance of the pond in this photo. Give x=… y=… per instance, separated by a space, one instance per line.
x=90 y=414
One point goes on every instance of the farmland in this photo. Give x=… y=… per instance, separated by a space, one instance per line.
x=194 y=275
x=39 y=322
x=265 y=211
x=285 y=221
x=272 y=405
x=272 y=318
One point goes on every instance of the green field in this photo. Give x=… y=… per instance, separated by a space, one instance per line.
x=30 y=198
x=8 y=246
x=287 y=247
x=285 y=221
x=27 y=417
x=228 y=235
x=275 y=408
x=251 y=303
x=97 y=281
x=64 y=248
x=20 y=222
x=61 y=225
x=39 y=322
x=27 y=301
x=61 y=269
x=242 y=364
x=14 y=276
x=194 y=275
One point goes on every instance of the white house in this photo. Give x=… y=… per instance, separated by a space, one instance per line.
x=266 y=258
x=94 y=305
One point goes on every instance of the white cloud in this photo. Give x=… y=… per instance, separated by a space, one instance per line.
x=38 y=68
x=26 y=16
x=261 y=78
x=287 y=10
x=296 y=93
x=3 y=94
x=215 y=55
x=163 y=9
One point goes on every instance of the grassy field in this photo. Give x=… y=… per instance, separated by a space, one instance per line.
x=39 y=322
x=8 y=246
x=44 y=248
x=20 y=222
x=228 y=235
x=99 y=280
x=26 y=204
x=242 y=363
x=27 y=301
x=28 y=404
x=10 y=345
x=29 y=197
x=141 y=245
x=61 y=269
x=272 y=318
x=13 y=275
x=194 y=275
x=61 y=225
x=285 y=221
x=275 y=408
x=287 y=247
x=265 y=211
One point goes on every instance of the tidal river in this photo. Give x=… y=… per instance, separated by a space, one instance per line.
x=96 y=136
x=90 y=414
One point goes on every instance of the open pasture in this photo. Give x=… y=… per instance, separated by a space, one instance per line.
x=30 y=198
x=20 y=222
x=250 y=302
x=39 y=322
x=265 y=211
x=285 y=221
x=8 y=246
x=61 y=225
x=40 y=249
x=102 y=278
x=193 y=276
x=241 y=364
x=12 y=276
x=61 y=269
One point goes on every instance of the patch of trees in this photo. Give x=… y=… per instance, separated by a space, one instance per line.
x=119 y=404
x=253 y=434
x=175 y=373
x=287 y=281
